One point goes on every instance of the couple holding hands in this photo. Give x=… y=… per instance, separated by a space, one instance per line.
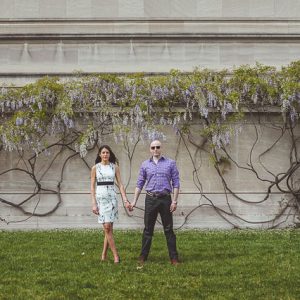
x=161 y=176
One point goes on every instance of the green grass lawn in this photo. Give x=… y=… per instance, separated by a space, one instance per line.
x=216 y=265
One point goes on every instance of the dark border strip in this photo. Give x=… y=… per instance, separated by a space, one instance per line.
x=150 y=20
x=182 y=37
x=132 y=193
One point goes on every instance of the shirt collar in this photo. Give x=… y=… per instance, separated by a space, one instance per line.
x=162 y=157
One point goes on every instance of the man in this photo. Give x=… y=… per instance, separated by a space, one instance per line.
x=161 y=177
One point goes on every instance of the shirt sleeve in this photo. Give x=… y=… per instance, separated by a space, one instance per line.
x=175 y=175
x=141 y=178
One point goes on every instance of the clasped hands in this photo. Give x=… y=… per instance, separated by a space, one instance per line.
x=130 y=206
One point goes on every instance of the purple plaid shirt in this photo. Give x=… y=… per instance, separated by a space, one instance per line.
x=160 y=177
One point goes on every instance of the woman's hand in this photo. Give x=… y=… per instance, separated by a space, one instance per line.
x=128 y=205
x=95 y=209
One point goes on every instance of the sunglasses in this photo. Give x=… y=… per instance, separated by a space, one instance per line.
x=155 y=147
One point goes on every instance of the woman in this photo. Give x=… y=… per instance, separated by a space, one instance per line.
x=104 y=201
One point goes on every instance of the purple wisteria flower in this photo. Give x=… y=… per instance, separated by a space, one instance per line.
x=68 y=122
x=227 y=108
x=216 y=140
x=293 y=114
x=226 y=138
x=204 y=112
x=19 y=121
x=212 y=100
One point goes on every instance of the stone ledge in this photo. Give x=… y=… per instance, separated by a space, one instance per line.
x=150 y=19
x=177 y=29
x=184 y=37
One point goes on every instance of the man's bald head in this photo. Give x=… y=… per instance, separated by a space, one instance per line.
x=155 y=148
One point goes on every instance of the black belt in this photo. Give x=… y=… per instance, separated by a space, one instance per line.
x=105 y=183
x=157 y=195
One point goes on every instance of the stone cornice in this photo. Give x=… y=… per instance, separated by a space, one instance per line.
x=153 y=37
x=153 y=19
x=141 y=29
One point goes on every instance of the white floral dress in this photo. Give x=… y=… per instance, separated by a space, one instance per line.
x=105 y=194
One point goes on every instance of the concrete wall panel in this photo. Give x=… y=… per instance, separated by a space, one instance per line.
x=201 y=191
x=79 y=9
x=34 y=9
x=52 y=7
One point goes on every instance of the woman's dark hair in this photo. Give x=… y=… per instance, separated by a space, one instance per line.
x=112 y=158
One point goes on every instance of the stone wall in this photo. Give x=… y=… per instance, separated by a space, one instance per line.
x=58 y=37
x=203 y=202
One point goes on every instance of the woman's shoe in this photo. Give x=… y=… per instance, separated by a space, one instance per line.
x=117 y=261
x=103 y=258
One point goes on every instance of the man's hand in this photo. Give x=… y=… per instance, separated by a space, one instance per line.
x=128 y=205
x=132 y=205
x=95 y=209
x=173 y=207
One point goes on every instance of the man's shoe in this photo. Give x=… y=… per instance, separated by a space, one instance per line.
x=174 y=262
x=141 y=260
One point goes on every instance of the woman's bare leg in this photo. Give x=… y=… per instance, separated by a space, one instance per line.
x=105 y=248
x=108 y=229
